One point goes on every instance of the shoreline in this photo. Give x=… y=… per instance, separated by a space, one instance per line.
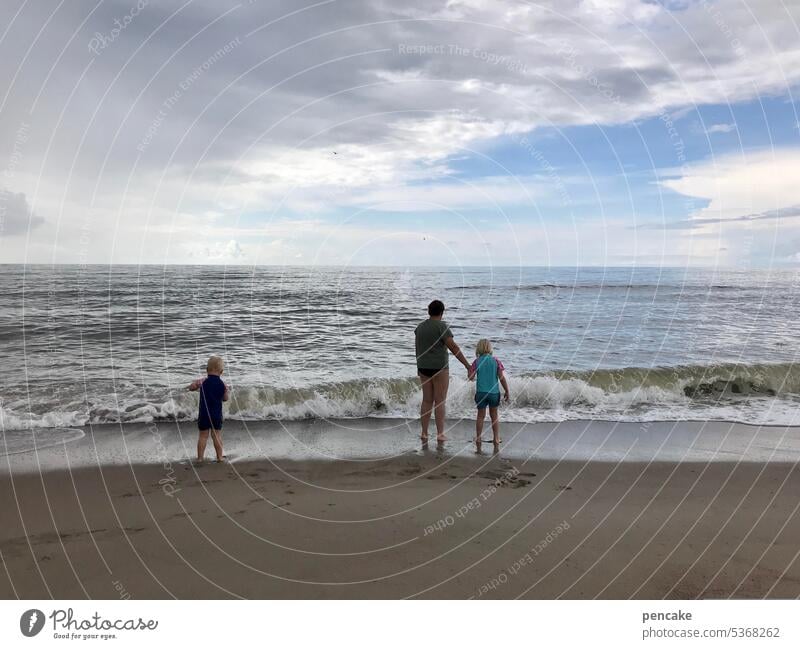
x=366 y=439
x=339 y=511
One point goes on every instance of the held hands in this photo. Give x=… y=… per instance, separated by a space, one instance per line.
x=506 y=397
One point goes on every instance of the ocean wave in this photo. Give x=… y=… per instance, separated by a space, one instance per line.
x=610 y=286
x=757 y=393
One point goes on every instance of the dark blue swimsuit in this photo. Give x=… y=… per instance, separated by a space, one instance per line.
x=211 y=392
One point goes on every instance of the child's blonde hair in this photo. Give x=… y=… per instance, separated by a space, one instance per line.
x=215 y=364
x=484 y=346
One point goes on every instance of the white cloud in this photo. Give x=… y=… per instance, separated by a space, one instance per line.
x=721 y=128
x=753 y=206
x=742 y=184
x=218 y=251
x=486 y=193
x=261 y=137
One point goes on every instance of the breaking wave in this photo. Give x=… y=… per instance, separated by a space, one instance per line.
x=751 y=393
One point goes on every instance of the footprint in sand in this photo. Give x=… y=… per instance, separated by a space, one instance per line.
x=411 y=469
x=519 y=482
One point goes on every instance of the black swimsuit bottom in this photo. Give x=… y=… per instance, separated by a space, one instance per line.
x=428 y=372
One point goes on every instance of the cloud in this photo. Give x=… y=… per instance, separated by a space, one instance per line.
x=15 y=214
x=486 y=193
x=720 y=128
x=397 y=88
x=217 y=251
x=784 y=213
x=742 y=185
x=752 y=207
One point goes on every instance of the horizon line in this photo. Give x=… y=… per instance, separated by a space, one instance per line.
x=781 y=266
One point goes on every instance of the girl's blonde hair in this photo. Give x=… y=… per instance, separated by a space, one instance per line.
x=215 y=364
x=484 y=346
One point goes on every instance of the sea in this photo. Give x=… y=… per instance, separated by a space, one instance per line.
x=88 y=345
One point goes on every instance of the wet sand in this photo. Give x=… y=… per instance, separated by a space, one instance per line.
x=416 y=522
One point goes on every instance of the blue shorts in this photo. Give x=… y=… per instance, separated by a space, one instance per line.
x=487 y=400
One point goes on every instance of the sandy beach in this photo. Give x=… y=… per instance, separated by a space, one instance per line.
x=393 y=520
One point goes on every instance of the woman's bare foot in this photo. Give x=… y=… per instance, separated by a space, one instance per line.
x=441 y=438
x=496 y=440
x=424 y=438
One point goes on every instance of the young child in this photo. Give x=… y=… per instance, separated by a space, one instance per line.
x=212 y=393
x=490 y=374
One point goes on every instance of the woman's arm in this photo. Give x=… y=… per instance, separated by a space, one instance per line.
x=456 y=350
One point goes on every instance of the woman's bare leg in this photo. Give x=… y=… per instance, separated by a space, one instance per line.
x=441 y=383
x=427 y=404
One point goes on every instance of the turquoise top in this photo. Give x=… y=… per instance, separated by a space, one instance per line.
x=487 y=368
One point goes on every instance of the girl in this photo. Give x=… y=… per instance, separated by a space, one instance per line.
x=490 y=373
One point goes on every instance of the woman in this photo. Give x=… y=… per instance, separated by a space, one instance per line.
x=433 y=339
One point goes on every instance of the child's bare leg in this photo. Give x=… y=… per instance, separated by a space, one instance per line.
x=216 y=438
x=479 y=423
x=494 y=415
x=202 y=439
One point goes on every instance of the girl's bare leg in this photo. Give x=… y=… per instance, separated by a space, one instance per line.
x=479 y=424
x=494 y=415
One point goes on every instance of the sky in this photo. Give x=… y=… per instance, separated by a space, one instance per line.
x=474 y=132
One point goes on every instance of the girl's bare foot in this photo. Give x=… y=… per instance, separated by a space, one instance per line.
x=441 y=438
x=424 y=438
x=496 y=440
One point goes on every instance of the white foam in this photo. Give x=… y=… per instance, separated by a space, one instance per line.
x=34 y=439
x=636 y=394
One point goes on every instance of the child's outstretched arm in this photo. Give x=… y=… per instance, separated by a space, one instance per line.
x=227 y=394
x=195 y=385
x=504 y=383
x=473 y=370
